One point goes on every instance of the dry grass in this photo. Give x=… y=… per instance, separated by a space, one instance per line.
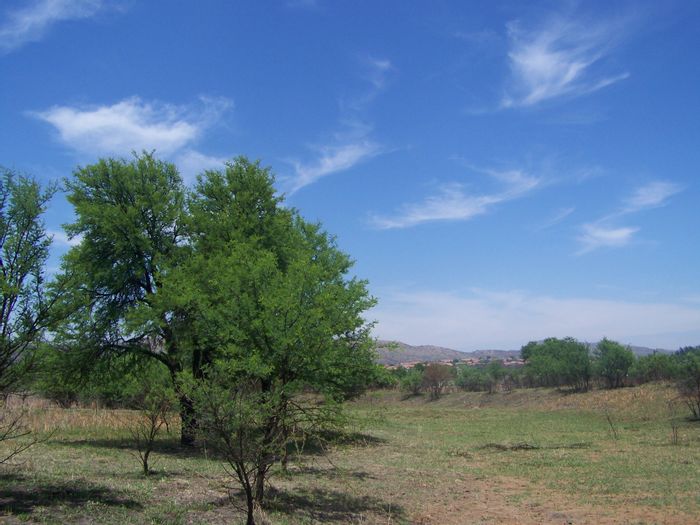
x=532 y=456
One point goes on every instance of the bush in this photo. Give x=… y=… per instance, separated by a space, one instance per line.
x=654 y=367
x=435 y=378
x=495 y=374
x=155 y=403
x=558 y=362
x=412 y=382
x=252 y=429
x=613 y=362
x=383 y=378
x=472 y=379
x=689 y=378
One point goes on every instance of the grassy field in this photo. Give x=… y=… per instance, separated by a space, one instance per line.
x=529 y=456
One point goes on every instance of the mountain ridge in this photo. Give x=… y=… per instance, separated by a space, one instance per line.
x=396 y=352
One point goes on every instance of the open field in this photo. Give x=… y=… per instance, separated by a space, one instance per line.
x=530 y=456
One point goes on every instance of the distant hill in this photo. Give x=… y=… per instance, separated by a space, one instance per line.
x=643 y=350
x=395 y=352
x=405 y=353
x=639 y=351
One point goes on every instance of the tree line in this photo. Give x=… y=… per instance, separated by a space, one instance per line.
x=565 y=364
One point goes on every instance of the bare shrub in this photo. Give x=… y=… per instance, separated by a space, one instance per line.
x=252 y=430
x=15 y=432
x=673 y=417
x=613 y=430
x=155 y=406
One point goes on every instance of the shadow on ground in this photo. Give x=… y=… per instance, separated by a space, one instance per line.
x=160 y=446
x=329 y=473
x=319 y=445
x=312 y=447
x=328 y=506
x=19 y=495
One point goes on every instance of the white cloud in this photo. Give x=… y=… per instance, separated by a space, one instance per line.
x=60 y=238
x=596 y=236
x=603 y=234
x=132 y=125
x=453 y=203
x=560 y=58
x=192 y=163
x=351 y=143
x=332 y=159
x=507 y=320
x=651 y=195
x=31 y=23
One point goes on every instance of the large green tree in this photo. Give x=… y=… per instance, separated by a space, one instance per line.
x=273 y=317
x=223 y=275
x=25 y=309
x=131 y=217
x=24 y=245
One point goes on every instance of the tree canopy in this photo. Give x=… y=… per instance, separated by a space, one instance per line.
x=558 y=362
x=613 y=362
x=24 y=245
x=222 y=275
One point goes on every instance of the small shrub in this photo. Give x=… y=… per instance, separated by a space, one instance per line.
x=14 y=430
x=251 y=429
x=155 y=406
x=436 y=378
x=412 y=382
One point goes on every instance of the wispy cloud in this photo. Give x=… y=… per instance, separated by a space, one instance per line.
x=32 y=22
x=332 y=159
x=604 y=233
x=652 y=195
x=453 y=203
x=61 y=239
x=556 y=218
x=594 y=236
x=562 y=57
x=378 y=70
x=350 y=144
x=132 y=124
x=481 y=319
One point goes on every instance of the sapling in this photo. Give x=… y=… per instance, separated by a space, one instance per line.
x=155 y=405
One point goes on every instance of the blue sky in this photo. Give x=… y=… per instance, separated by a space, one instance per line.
x=500 y=171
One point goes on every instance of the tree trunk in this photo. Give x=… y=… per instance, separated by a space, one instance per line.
x=260 y=485
x=251 y=509
x=146 y=470
x=188 y=433
x=243 y=477
x=200 y=359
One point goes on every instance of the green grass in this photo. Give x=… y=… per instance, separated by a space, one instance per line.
x=535 y=455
